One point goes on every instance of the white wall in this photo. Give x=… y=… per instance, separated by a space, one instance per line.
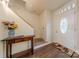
x=23 y=29
x=69 y=38
x=77 y=44
x=46 y=18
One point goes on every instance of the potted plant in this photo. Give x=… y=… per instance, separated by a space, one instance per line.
x=11 y=26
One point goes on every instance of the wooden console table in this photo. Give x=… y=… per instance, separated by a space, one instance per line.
x=17 y=39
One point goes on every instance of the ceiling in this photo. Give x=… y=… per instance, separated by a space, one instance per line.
x=39 y=5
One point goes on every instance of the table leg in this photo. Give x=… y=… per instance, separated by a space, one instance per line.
x=32 y=48
x=10 y=50
x=7 y=49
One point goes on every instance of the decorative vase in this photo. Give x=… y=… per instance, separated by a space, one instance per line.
x=11 y=32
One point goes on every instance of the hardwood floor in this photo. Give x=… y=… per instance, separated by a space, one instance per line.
x=49 y=51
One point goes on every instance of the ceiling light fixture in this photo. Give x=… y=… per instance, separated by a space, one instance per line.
x=73 y=5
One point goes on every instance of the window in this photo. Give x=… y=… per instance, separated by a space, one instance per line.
x=63 y=25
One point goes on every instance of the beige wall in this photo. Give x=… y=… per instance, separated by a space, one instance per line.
x=23 y=29
x=69 y=38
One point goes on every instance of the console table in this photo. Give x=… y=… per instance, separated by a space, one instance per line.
x=17 y=39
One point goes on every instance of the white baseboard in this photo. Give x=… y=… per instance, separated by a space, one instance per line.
x=42 y=45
